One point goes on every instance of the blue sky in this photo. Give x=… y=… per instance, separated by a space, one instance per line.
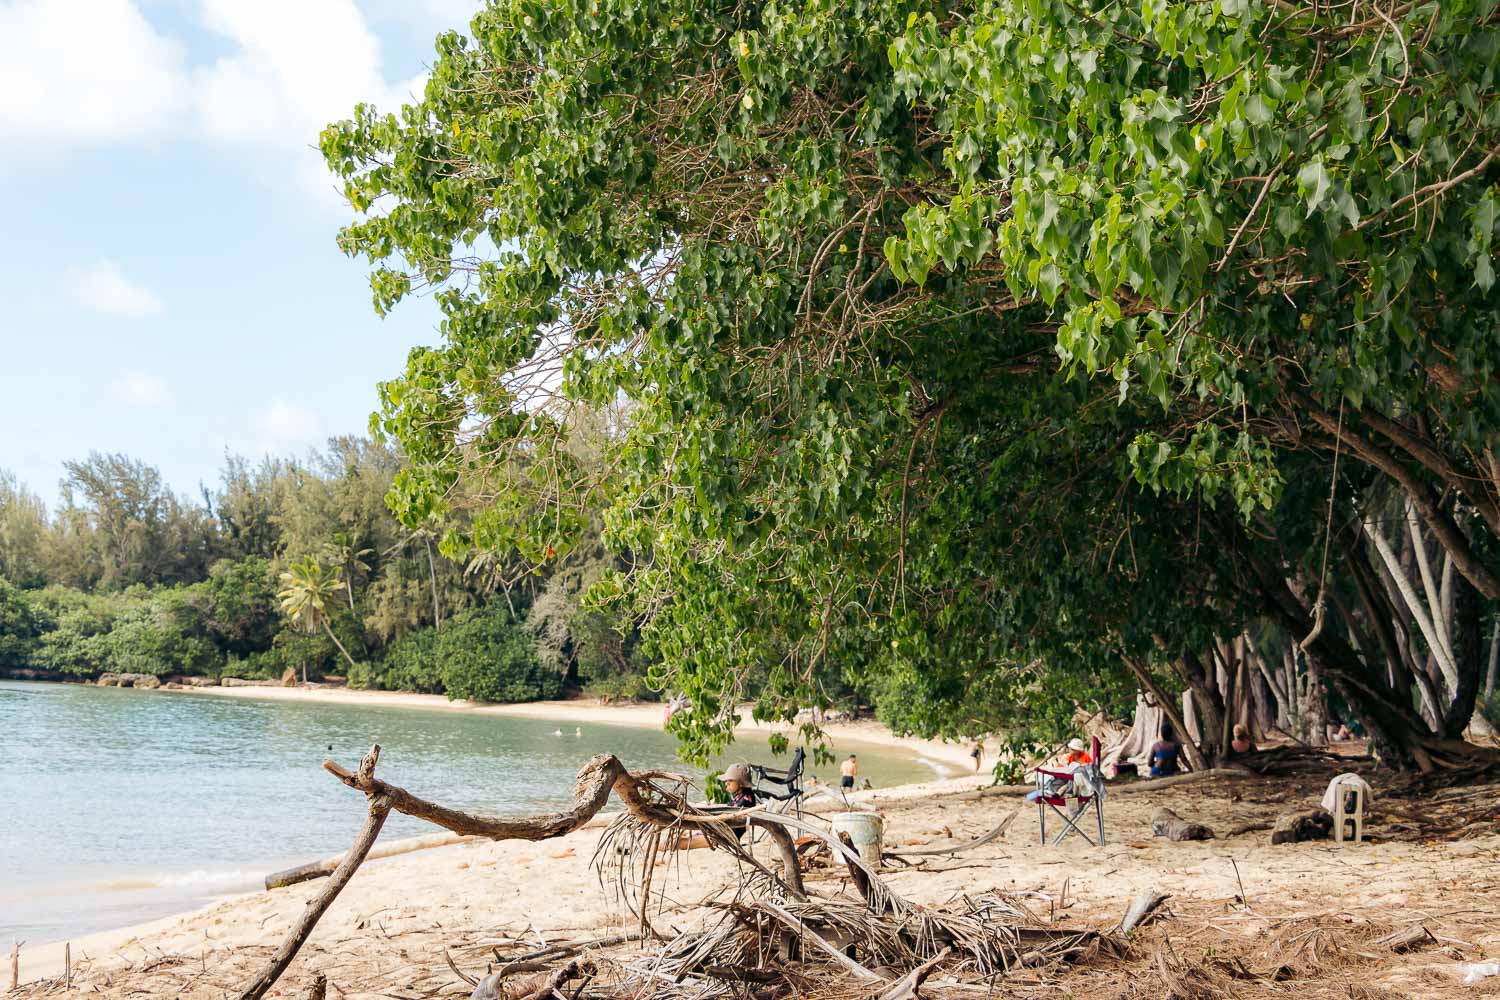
x=169 y=282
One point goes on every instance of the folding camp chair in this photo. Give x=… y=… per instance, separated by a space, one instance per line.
x=789 y=779
x=1080 y=790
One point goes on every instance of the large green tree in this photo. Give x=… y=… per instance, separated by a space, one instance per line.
x=966 y=347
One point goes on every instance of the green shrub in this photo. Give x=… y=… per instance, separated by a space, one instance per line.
x=239 y=606
x=76 y=636
x=486 y=656
x=20 y=628
x=164 y=635
x=622 y=687
x=411 y=663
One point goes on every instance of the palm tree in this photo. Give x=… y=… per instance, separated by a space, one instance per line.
x=345 y=553
x=306 y=588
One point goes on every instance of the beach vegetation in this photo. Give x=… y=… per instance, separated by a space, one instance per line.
x=1001 y=357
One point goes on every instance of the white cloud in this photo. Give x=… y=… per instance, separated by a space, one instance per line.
x=84 y=74
x=102 y=288
x=297 y=65
x=284 y=426
x=140 y=389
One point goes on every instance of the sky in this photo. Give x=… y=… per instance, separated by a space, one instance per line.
x=170 y=286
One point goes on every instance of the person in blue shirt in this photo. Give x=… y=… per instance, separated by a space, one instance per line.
x=1164 y=753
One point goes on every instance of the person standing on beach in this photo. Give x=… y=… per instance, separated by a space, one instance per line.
x=848 y=770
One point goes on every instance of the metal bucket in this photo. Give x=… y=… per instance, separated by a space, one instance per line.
x=865 y=829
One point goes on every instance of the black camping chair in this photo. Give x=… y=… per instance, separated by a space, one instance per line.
x=790 y=779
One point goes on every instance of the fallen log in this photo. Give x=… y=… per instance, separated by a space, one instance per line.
x=1295 y=827
x=1176 y=780
x=1166 y=823
x=325 y=867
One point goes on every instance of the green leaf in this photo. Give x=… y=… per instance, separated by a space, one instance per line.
x=1314 y=182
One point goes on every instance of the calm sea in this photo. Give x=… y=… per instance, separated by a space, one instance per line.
x=119 y=806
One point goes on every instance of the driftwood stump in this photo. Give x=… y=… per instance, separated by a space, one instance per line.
x=1295 y=827
x=1166 y=823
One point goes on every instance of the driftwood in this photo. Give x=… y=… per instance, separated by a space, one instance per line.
x=1145 y=905
x=1166 y=823
x=327 y=866
x=379 y=808
x=1407 y=938
x=645 y=803
x=906 y=987
x=1295 y=827
x=998 y=831
x=1191 y=778
x=536 y=987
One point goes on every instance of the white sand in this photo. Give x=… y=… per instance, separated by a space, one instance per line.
x=388 y=932
x=953 y=757
x=46 y=960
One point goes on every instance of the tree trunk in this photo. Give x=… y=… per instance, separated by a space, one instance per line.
x=336 y=642
x=1312 y=711
x=1195 y=758
x=437 y=617
x=1207 y=704
x=1414 y=603
x=1489 y=683
x=1468 y=656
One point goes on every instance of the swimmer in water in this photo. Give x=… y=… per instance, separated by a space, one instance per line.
x=557 y=732
x=578 y=731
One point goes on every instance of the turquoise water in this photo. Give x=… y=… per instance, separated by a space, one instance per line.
x=119 y=806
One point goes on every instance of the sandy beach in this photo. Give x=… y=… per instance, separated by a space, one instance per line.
x=950 y=759
x=399 y=922
x=46 y=960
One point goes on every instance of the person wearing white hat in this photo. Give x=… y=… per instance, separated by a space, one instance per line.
x=1077 y=753
x=736 y=779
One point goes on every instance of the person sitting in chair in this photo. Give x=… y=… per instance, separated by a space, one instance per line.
x=736 y=779
x=1077 y=754
x=1164 y=753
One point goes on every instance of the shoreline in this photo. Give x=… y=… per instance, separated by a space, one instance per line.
x=951 y=765
x=947 y=759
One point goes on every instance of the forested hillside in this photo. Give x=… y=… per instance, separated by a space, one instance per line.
x=289 y=564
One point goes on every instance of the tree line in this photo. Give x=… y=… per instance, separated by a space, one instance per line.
x=989 y=358
x=286 y=565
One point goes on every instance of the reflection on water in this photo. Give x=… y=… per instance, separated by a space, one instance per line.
x=120 y=806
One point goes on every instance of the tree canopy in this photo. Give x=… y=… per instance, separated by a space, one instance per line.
x=971 y=351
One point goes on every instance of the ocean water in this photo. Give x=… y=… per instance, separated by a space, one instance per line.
x=120 y=806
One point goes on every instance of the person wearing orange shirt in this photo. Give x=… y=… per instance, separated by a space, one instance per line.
x=1077 y=753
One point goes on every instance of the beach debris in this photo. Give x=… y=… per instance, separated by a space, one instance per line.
x=1407 y=938
x=994 y=834
x=773 y=933
x=319 y=990
x=327 y=866
x=1296 y=827
x=1142 y=908
x=1166 y=823
x=1479 y=970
